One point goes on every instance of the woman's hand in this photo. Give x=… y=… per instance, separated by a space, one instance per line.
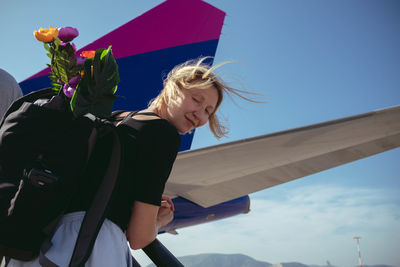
x=146 y=219
x=165 y=212
x=166 y=200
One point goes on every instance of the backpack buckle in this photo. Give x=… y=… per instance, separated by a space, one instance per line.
x=41 y=178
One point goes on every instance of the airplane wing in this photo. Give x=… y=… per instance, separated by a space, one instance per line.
x=213 y=175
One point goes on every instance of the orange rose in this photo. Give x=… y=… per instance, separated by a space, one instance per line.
x=88 y=54
x=46 y=35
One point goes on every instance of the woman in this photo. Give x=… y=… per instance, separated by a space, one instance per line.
x=150 y=141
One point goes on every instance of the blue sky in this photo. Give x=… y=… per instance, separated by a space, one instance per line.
x=313 y=61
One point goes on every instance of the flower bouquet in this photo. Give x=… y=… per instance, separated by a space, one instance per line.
x=88 y=81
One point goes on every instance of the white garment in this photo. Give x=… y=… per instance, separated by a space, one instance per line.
x=9 y=91
x=110 y=249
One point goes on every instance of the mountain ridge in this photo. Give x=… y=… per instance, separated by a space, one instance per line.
x=241 y=260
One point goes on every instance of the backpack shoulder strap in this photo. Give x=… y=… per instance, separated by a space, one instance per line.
x=95 y=216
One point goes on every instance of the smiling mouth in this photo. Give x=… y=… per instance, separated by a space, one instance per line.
x=191 y=122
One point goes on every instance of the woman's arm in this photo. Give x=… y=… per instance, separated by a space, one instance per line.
x=145 y=221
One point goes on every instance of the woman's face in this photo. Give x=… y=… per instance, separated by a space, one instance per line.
x=193 y=109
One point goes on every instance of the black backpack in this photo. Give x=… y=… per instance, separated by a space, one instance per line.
x=43 y=152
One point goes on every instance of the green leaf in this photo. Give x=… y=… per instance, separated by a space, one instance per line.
x=57 y=42
x=95 y=93
x=46 y=46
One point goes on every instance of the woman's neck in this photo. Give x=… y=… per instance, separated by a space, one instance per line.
x=154 y=110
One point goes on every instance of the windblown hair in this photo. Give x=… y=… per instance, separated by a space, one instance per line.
x=199 y=75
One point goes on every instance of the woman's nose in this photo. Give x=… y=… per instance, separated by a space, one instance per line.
x=202 y=117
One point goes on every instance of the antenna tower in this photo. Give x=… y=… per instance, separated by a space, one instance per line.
x=357 y=238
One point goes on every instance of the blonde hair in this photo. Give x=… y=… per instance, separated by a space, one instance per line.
x=199 y=75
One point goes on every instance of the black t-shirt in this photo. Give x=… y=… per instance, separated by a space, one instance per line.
x=149 y=149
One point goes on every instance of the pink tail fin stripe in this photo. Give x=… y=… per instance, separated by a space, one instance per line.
x=172 y=23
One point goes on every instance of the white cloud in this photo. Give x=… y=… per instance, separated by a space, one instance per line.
x=311 y=225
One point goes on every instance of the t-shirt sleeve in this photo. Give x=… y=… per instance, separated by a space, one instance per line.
x=158 y=145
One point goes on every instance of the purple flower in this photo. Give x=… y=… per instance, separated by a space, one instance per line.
x=68 y=90
x=67 y=34
x=73 y=82
x=80 y=60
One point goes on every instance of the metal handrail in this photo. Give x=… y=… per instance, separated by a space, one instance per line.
x=160 y=255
